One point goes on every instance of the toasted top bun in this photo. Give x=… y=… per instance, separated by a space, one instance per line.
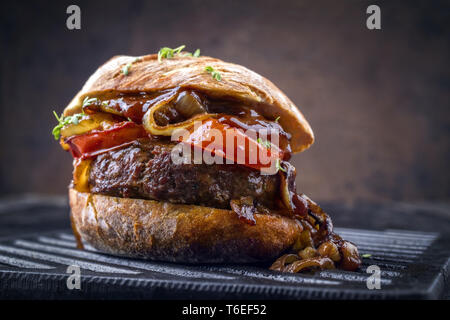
x=176 y=232
x=147 y=74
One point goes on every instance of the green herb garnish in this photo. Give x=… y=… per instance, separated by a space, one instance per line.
x=215 y=74
x=168 y=53
x=88 y=101
x=278 y=166
x=196 y=54
x=277 y=118
x=265 y=143
x=74 y=119
x=63 y=121
x=126 y=69
x=367 y=255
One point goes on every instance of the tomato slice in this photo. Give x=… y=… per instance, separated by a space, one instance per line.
x=233 y=144
x=96 y=142
x=218 y=139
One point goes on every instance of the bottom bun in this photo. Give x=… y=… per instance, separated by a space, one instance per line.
x=175 y=232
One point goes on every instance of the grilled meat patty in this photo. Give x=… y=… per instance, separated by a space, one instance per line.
x=145 y=170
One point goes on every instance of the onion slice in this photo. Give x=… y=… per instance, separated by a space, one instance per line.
x=320 y=263
x=187 y=105
x=296 y=204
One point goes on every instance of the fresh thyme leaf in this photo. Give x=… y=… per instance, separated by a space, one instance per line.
x=278 y=166
x=57 y=130
x=179 y=49
x=196 y=54
x=126 y=69
x=265 y=143
x=367 y=255
x=88 y=101
x=277 y=119
x=63 y=121
x=215 y=74
x=75 y=120
x=168 y=53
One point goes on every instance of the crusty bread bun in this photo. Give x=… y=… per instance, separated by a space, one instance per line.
x=179 y=233
x=147 y=74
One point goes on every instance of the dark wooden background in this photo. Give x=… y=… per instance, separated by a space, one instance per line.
x=378 y=101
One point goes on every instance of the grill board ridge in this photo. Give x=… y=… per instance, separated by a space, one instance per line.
x=413 y=265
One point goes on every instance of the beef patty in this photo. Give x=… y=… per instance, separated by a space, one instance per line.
x=145 y=170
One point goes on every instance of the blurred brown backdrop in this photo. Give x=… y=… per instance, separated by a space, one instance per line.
x=378 y=101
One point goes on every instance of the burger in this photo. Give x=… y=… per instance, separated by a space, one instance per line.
x=157 y=176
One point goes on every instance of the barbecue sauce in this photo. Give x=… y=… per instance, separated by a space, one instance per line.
x=233 y=113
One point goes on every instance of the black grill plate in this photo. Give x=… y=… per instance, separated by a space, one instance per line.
x=411 y=263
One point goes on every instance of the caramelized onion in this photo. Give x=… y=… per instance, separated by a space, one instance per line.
x=188 y=104
x=169 y=114
x=350 y=256
x=330 y=250
x=296 y=205
x=317 y=246
x=293 y=263
x=282 y=261
x=304 y=240
x=300 y=265
x=88 y=123
x=308 y=252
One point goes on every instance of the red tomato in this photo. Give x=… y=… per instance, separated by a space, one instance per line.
x=233 y=144
x=96 y=142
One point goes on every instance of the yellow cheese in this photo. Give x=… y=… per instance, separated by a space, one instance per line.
x=81 y=170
